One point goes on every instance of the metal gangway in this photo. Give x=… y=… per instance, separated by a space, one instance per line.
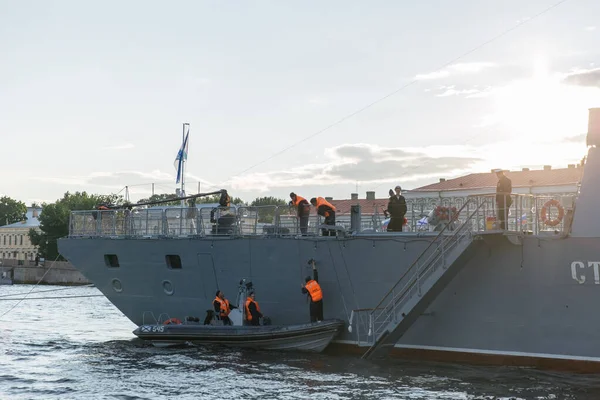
x=426 y=277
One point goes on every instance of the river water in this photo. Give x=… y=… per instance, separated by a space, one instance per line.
x=82 y=348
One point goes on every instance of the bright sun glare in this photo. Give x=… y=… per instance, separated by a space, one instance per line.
x=539 y=113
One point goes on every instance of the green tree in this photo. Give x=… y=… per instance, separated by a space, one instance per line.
x=215 y=199
x=11 y=211
x=176 y=202
x=161 y=197
x=54 y=220
x=266 y=213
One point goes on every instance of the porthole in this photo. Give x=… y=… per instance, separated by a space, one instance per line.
x=117 y=286
x=168 y=288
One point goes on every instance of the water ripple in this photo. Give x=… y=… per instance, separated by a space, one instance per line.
x=84 y=349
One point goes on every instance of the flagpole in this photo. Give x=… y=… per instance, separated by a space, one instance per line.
x=183 y=163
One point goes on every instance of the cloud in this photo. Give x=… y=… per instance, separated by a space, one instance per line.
x=590 y=28
x=318 y=101
x=589 y=77
x=474 y=92
x=456 y=69
x=575 y=139
x=361 y=162
x=137 y=182
x=124 y=146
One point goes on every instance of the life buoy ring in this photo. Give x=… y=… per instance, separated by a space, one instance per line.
x=172 y=321
x=544 y=213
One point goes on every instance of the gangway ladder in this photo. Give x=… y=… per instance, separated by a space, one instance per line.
x=422 y=282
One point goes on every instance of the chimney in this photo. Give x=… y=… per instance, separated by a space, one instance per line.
x=328 y=198
x=525 y=169
x=442 y=179
x=547 y=167
x=370 y=195
x=570 y=166
x=353 y=196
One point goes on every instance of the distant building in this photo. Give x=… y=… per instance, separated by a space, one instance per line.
x=545 y=181
x=14 y=238
x=420 y=201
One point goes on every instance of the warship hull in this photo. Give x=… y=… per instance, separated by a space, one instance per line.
x=525 y=300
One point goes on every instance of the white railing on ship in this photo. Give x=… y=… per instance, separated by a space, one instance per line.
x=432 y=258
x=524 y=215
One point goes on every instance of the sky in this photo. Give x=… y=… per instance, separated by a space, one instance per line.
x=322 y=98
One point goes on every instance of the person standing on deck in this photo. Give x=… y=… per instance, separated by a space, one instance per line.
x=327 y=210
x=397 y=209
x=303 y=210
x=315 y=293
x=222 y=308
x=503 y=199
x=253 y=314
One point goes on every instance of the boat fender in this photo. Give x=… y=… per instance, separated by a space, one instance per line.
x=544 y=213
x=172 y=321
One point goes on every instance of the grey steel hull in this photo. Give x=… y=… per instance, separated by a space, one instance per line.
x=312 y=337
x=507 y=300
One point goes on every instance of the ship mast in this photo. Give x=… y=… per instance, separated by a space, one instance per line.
x=183 y=158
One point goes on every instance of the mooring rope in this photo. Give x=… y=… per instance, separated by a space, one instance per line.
x=52 y=297
x=45 y=291
x=34 y=286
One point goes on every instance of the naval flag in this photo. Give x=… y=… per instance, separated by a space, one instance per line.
x=181 y=157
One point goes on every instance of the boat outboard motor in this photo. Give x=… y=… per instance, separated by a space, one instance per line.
x=237 y=315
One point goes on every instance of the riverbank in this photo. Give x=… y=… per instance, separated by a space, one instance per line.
x=51 y=273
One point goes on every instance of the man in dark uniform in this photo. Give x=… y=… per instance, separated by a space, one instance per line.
x=397 y=209
x=303 y=210
x=503 y=199
x=313 y=289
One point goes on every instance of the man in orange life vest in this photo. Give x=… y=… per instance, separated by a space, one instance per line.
x=315 y=293
x=327 y=210
x=303 y=210
x=253 y=314
x=222 y=307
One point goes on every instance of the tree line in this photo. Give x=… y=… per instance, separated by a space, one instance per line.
x=54 y=219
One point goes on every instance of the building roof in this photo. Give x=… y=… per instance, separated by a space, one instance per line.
x=366 y=206
x=523 y=178
x=31 y=222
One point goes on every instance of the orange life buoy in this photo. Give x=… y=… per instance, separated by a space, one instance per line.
x=544 y=213
x=173 y=321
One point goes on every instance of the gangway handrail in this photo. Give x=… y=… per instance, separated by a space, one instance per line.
x=373 y=315
x=410 y=268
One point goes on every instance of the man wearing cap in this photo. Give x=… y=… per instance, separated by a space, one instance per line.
x=397 y=209
x=303 y=210
x=503 y=199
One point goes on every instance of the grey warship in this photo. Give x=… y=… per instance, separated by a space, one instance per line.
x=468 y=292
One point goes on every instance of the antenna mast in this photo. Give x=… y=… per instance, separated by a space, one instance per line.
x=183 y=159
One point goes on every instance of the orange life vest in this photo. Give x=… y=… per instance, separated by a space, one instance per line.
x=248 y=314
x=224 y=306
x=322 y=202
x=298 y=200
x=314 y=290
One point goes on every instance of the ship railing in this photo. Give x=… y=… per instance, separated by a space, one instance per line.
x=432 y=258
x=525 y=214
